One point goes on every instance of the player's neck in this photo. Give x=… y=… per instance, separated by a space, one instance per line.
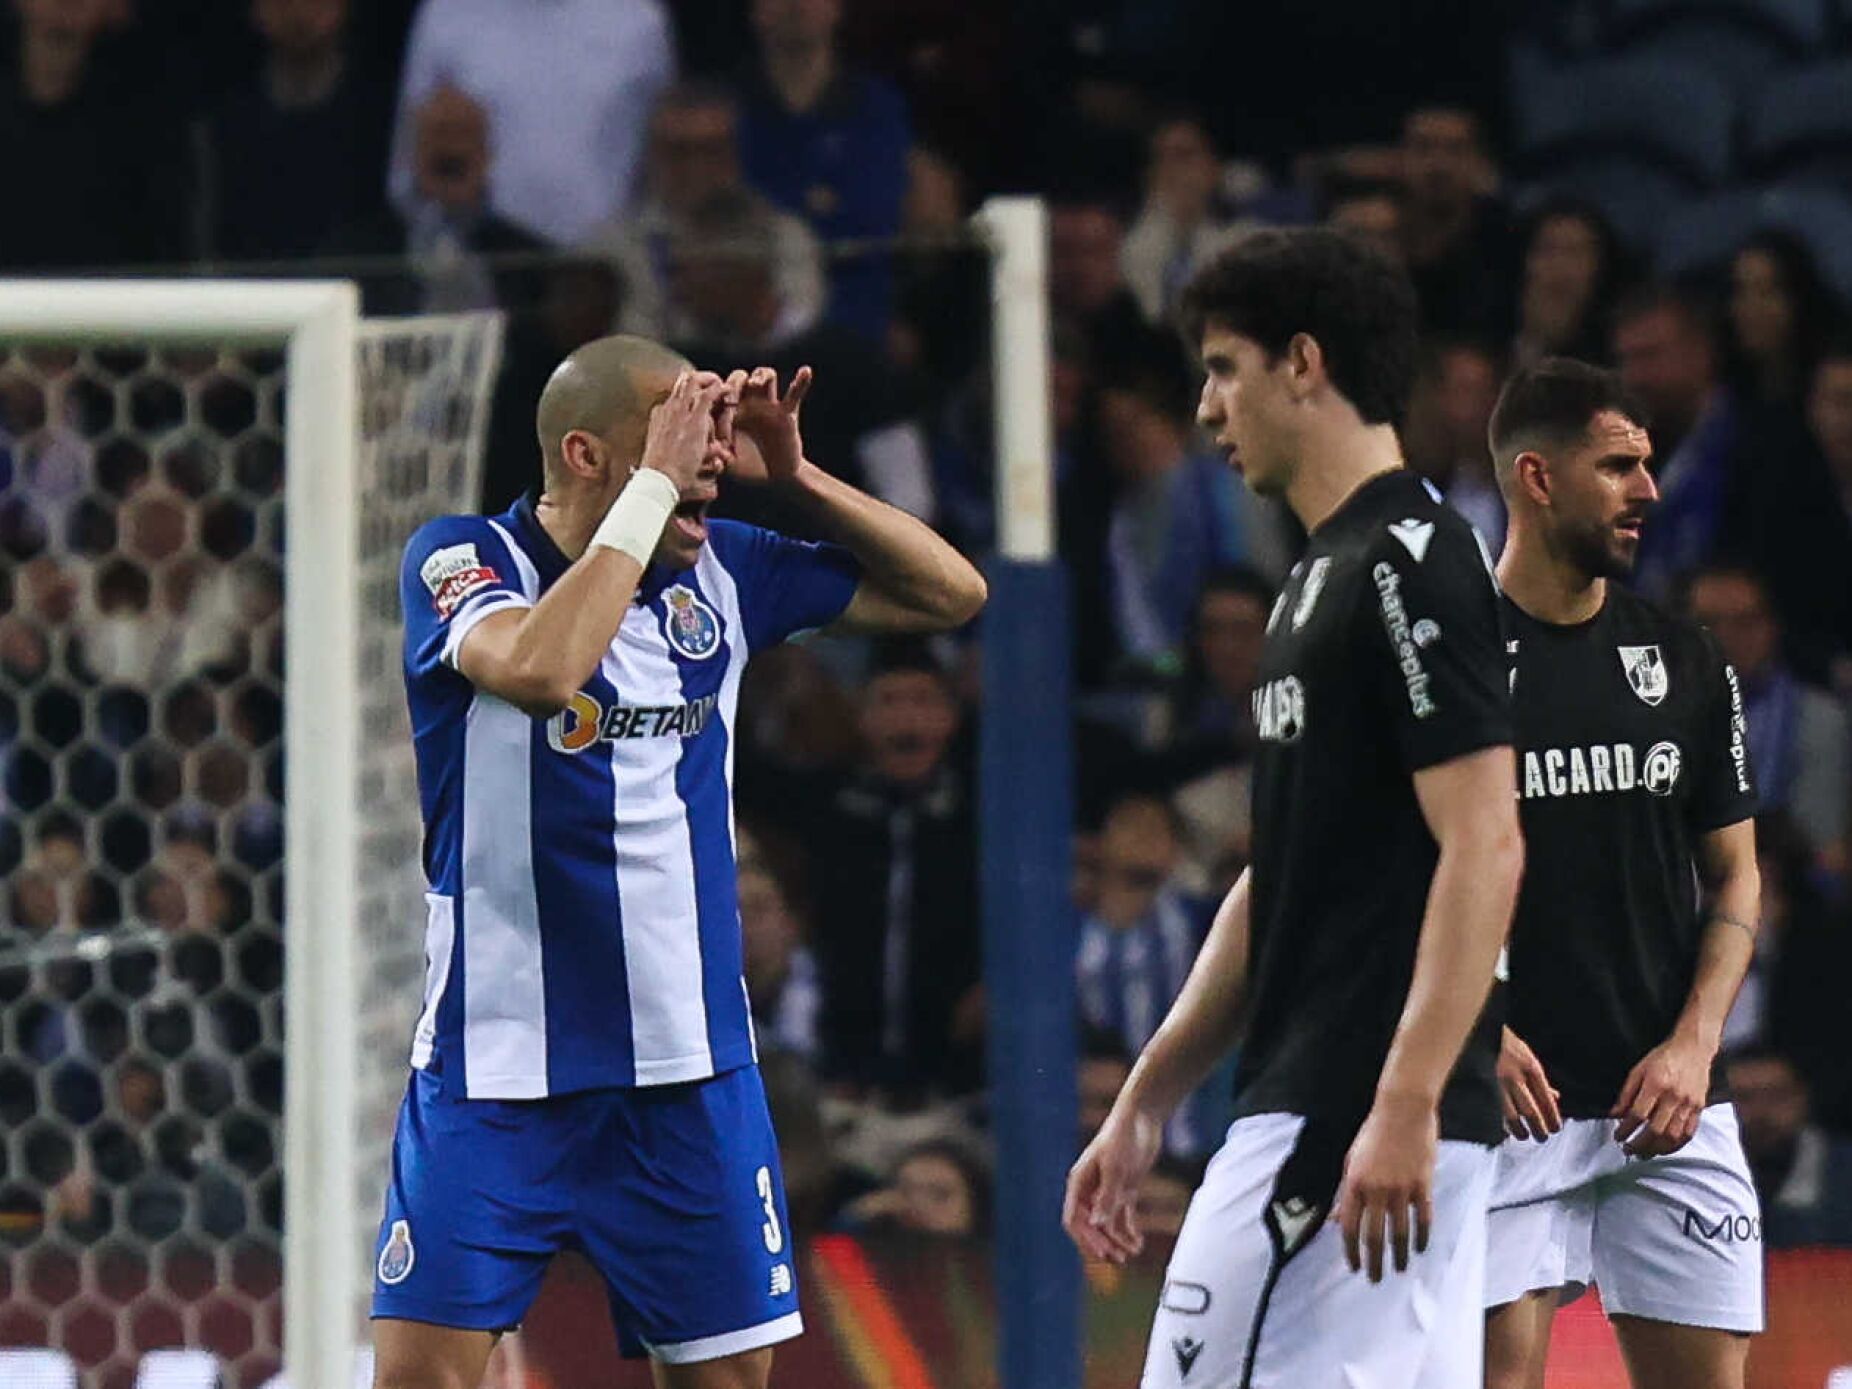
x=568 y=521
x=1548 y=588
x=1335 y=464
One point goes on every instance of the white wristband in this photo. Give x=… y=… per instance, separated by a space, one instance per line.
x=634 y=523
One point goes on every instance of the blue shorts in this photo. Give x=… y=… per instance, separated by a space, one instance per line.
x=671 y=1191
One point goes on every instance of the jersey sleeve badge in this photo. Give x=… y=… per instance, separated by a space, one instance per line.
x=452 y=574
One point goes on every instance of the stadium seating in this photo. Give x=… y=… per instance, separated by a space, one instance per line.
x=1634 y=136
x=1703 y=234
x=1642 y=112
x=1800 y=129
x=1741 y=42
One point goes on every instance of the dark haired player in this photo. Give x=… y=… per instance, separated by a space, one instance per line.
x=1386 y=860
x=1624 y=1168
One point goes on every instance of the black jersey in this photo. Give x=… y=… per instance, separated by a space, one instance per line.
x=1384 y=656
x=1631 y=745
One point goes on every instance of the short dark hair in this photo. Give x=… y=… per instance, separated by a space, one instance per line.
x=1550 y=405
x=1359 y=307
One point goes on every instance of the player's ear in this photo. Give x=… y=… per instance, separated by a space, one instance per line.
x=1305 y=361
x=1532 y=471
x=581 y=454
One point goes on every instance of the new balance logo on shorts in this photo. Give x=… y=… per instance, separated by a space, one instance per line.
x=781 y=1279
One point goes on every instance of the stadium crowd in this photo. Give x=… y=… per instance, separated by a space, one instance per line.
x=787 y=181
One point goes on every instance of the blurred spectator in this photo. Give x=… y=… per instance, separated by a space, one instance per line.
x=152 y=1163
x=568 y=87
x=1572 y=266
x=1444 y=436
x=1180 y=226
x=1781 y=312
x=1207 y=728
x=97 y=178
x=1371 y=212
x=1178 y=512
x=1803 y=958
x=941 y=326
x=299 y=150
x=856 y=419
x=829 y=143
x=693 y=155
x=1139 y=941
x=54 y=889
x=781 y=971
x=896 y=913
x=1456 y=231
x=1086 y=283
x=444 y=225
x=1800 y=741
x=1829 y=416
x=580 y=296
x=939 y=1187
x=1803 y=1174
x=796 y=724
x=1734 y=484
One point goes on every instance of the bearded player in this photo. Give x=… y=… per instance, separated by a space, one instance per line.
x=1624 y=1168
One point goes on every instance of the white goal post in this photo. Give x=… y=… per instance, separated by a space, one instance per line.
x=337 y=600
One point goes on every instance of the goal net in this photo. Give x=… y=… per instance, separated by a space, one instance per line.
x=204 y=490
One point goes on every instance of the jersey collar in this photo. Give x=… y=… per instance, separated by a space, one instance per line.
x=550 y=562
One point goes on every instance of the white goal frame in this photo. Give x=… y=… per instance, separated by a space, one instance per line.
x=316 y=321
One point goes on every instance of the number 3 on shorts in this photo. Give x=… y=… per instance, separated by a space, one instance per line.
x=774 y=1236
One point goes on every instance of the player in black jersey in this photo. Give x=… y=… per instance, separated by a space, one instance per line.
x=1385 y=862
x=1624 y=1168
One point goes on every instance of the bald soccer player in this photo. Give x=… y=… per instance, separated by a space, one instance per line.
x=583 y=1074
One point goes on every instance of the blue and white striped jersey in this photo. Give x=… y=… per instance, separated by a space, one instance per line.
x=583 y=925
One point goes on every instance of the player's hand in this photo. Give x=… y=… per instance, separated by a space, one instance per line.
x=766 y=425
x=1663 y=1099
x=1531 y=1108
x=1100 y=1212
x=1388 y=1175
x=682 y=440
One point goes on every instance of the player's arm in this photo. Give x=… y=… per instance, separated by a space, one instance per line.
x=1102 y=1188
x=912 y=580
x=538 y=657
x=1663 y=1099
x=1444 y=686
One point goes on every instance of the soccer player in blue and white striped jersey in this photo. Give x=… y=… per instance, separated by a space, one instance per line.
x=584 y=1069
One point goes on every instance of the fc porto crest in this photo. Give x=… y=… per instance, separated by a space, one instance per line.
x=1646 y=671
x=690 y=625
x=397 y=1258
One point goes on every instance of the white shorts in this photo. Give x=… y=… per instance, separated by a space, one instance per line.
x=1258 y=1295
x=1673 y=1239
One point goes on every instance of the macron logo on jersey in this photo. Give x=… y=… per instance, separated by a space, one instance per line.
x=1414 y=535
